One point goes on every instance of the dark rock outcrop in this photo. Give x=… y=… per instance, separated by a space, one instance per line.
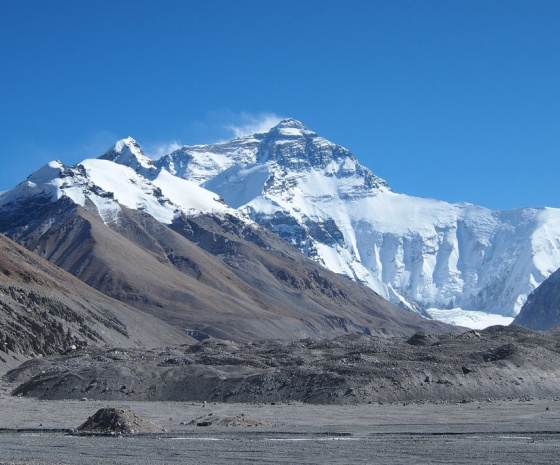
x=542 y=309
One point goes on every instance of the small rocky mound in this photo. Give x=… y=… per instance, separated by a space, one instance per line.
x=111 y=420
x=422 y=339
x=228 y=421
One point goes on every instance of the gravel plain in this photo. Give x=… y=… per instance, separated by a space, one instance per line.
x=513 y=432
x=489 y=397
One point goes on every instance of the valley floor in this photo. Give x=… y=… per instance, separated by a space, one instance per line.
x=513 y=431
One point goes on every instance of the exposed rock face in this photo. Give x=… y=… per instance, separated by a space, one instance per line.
x=542 y=309
x=110 y=420
x=495 y=363
x=128 y=152
x=44 y=310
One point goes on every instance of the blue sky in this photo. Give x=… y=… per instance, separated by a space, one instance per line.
x=456 y=100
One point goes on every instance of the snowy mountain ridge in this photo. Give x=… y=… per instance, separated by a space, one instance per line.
x=424 y=254
x=105 y=186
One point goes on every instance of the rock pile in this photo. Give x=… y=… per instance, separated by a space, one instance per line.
x=111 y=420
x=228 y=421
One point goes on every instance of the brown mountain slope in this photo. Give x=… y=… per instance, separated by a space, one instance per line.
x=210 y=276
x=44 y=310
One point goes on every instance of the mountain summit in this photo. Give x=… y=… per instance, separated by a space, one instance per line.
x=290 y=123
x=284 y=151
x=421 y=253
x=129 y=153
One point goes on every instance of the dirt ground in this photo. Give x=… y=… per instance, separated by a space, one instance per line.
x=516 y=431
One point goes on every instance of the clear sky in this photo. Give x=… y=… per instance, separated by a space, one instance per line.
x=455 y=100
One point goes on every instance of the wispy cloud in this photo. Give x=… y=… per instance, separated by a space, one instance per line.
x=96 y=145
x=158 y=150
x=248 y=123
x=216 y=126
x=221 y=125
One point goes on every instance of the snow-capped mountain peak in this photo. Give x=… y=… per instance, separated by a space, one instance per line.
x=420 y=252
x=290 y=123
x=128 y=152
x=287 y=150
x=53 y=169
x=290 y=128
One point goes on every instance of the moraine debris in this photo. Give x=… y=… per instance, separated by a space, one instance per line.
x=111 y=421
